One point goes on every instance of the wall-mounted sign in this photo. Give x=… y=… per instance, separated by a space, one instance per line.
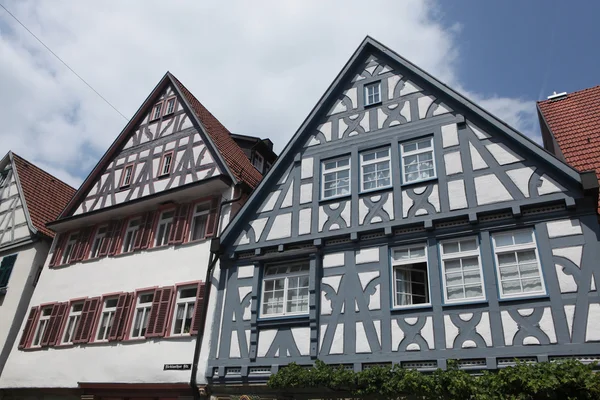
x=177 y=367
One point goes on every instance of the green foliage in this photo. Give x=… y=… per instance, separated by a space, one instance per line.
x=570 y=380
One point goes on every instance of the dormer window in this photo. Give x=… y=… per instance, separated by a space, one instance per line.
x=127 y=176
x=170 y=106
x=373 y=93
x=156 y=111
x=259 y=162
x=165 y=164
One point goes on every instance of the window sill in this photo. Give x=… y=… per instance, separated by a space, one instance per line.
x=123 y=188
x=524 y=297
x=377 y=103
x=410 y=308
x=372 y=192
x=465 y=303
x=334 y=199
x=416 y=183
x=163 y=176
x=185 y=336
x=283 y=320
x=64 y=346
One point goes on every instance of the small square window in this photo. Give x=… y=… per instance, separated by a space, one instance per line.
x=462 y=274
x=165 y=164
x=373 y=93
x=285 y=290
x=335 y=177
x=375 y=169
x=418 y=163
x=156 y=111
x=170 y=106
x=127 y=176
x=411 y=277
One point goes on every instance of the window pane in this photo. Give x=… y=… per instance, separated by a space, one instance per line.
x=468 y=245
x=470 y=263
x=425 y=144
x=507 y=259
x=410 y=147
x=452 y=265
x=454 y=279
x=473 y=291
x=523 y=237
x=187 y=293
x=455 y=293
x=451 y=247
x=532 y=285
x=472 y=276
x=503 y=240
x=511 y=287
x=509 y=273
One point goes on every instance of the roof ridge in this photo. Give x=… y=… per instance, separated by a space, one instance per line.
x=42 y=170
x=577 y=92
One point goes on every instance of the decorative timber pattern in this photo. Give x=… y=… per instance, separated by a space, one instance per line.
x=153 y=139
x=13 y=223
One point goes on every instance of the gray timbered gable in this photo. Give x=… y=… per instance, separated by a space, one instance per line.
x=403 y=223
x=13 y=222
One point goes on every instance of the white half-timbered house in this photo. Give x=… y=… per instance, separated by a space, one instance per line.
x=119 y=305
x=405 y=224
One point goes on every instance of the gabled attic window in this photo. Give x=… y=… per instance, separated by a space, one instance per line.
x=373 y=93
x=165 y=164
x=127 y=175
x=170 y=109
x=156 y=111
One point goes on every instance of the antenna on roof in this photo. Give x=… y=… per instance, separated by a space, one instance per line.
x=556 y=96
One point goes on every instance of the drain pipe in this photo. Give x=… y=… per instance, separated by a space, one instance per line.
x=215 y=251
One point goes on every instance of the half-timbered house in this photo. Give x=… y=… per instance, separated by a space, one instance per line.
x=405 y=224
x=118 y=307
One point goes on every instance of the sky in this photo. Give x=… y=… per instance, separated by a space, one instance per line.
x=260 y=66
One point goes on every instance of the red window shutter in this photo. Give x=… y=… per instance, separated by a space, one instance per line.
x=82 y=246
x=120 y=318
x=198 y=319
x=56 y=319
x=86 y=322
x=115 y=244
x=157 y=322
x=29 y=326
x=213 y=218
x=58 y=323
x=180 y=224
x=60 y=245
x=142 y=239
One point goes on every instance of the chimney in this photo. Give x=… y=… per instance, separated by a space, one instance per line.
x=557 y=96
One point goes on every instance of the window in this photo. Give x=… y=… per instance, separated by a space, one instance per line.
x=6 y=267
x=98 y=239
x=336 y=177
x=268 y=168
x=163 y=230
x=127 y=175
x=375 y=169
x=165 y=165
x=417 y=160
x=170 y=106
x=133 y=226
x=372 y=93
x=70 y=246
x=462 y=274
x=107 y=318
x=184 y=310
x=42 y=326
x=258 y=161
x=72 y=321
x=285 y=290
x=3 y=176
x=518 y=263
x=143 y=306
x=199 y=221
x=156 y=111
x=411 y=281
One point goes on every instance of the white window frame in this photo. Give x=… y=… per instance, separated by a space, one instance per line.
x=41 y=326
x=364 y=164
x=97 y=242
x=416 y=152
x=130 y=231
x=71 y=245
x=157 y=109
x=197 y=214
x=170 y=106
x=375 y=93
x=459 y=256
x=405 y=265
x=258 y=161
x=187 y=302
x=167 y=223
x=73 y=320
x=127 y=177
x=143 y=310
x=336 y=170
x=163 y=163
x=286 y=277
x=513 y=249
x=109 y=312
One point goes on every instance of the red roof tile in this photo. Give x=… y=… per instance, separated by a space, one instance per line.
x=234 y=156
x=45 y=195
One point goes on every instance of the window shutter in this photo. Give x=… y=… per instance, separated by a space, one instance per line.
x=198 y=319
x=58 y=249
x=180 y=224
x=213 y=218
x=82 y=246
x=142 y=239
x=157 y=322
x=29 y=326
x=6 y=268
x=86 y=322
x=111 y=234
x=120 y=318
x=58 y=323
x=115 y=244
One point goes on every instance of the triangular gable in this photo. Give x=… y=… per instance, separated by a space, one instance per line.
x=14 y=224
x=515 y=163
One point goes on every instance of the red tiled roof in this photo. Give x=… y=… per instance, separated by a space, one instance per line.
x=45 y=195
x=234 y=156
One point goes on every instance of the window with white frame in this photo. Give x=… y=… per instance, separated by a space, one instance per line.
x=98 y=239
x=143 y=305
x=127 y=174
x=285 y=289
x=517 y=263
x=165 y=165
x=133 y=227
x=163 y=230
x=170 y=106
x=461 y=270
x=199 y=221
x=372 y=93
x=184 y=310
x=156 y=111
x=42 y=325
x=258 y=161
x=411 y=279
x=69 y=250
x=107 y=318
x=335 y=177
x=418 y=163
x=72 y=322
x=375 y=169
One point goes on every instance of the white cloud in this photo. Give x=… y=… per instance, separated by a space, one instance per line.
x=259 y=66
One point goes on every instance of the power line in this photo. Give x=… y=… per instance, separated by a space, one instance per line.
x=64 y=63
